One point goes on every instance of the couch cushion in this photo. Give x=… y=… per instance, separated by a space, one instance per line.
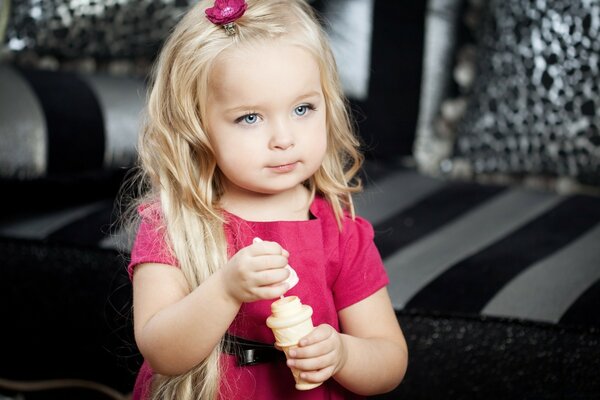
x=534 y=106
x=450 y=247
x=66 y=124
x=486 y=250
x=66 y=316
x=492 y=284
x=530 y=108
x=496 y=287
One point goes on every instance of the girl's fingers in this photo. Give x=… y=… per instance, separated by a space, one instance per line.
x=314 y=363
x=312 y=351
x=317 y=376
x=320 y=334
x=268 y=262
x=264 y=269
x=271 y=292
x=266 y=247
x=317 y=353
x=271 y=277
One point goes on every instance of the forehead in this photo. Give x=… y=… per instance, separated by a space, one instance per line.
x=264 y=68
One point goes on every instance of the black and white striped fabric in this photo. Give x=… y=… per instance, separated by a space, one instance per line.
x=496 y=288
x=472 y=249
x=62 y=123
x=451 y=247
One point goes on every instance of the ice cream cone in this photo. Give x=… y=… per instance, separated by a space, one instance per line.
x=290 y=321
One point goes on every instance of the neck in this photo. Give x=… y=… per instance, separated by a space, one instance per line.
x=291 y=205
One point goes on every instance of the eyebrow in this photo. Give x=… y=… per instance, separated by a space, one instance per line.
x=245 y=108
x=312 y=93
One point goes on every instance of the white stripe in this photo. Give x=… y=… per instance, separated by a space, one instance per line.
x=116 y=241
x=39 y=226
x=122 y=102
x=413 y=267
x=350 y=31
x=382 y=199
x=439 y=49
x=22 y=129
x=545 y=290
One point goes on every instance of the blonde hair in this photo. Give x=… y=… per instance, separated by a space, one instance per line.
x=178 y=170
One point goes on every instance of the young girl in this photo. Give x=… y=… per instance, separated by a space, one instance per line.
x=247 y=137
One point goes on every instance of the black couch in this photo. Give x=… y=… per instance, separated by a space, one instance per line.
x=496 y=283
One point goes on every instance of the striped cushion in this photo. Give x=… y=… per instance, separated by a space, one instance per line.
x=496 y=288
x=450 y=247
x=61 y=123
x=472 y=249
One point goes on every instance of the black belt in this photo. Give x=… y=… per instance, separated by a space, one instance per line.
x=248 y=352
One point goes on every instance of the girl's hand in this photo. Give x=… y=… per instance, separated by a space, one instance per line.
x=320 y=354
x=256 y=272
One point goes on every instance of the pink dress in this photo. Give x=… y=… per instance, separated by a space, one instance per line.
x=336 y=269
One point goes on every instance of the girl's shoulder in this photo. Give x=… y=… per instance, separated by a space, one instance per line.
x=351 y=226
x=151 y=212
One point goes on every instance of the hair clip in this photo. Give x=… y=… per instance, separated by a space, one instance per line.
x=225 y=12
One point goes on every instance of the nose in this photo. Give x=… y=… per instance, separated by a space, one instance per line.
x=282 y=136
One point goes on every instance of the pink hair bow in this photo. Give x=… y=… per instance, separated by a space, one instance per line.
x=225 y=13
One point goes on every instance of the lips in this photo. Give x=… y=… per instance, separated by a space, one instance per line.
x=284 y=167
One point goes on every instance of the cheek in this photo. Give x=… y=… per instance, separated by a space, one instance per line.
x=321 y=144
x=230 y=159
x=320 y=139
x=236 y=156
x=224 y=144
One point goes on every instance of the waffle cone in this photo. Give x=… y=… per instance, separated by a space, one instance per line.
x=290 y=321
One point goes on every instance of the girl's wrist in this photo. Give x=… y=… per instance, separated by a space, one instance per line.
x=343 y=358
x=228 y=294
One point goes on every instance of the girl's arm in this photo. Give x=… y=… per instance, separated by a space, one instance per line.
x=376 y=351
x=175 y=328
x=369 y=358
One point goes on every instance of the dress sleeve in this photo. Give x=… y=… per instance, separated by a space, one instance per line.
x=150 y=246
x=361 y=269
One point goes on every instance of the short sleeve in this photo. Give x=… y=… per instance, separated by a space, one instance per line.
x=361 y=269
x=150 y=245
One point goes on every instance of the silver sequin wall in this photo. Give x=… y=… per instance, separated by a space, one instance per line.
x=102 y=29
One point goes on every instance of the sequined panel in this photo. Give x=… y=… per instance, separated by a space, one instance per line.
x=92 y=28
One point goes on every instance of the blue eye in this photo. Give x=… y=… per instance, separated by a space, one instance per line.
x=250 y=118
x=301 y=110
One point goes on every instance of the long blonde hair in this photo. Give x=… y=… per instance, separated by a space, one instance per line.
x=178 y=170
